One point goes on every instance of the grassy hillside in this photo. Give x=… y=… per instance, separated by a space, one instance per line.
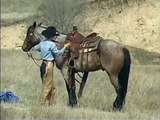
x=18 y=5
x=143 y=57
x=131 y=22
x=134 y=24
x=15 y=11
x=21 y=75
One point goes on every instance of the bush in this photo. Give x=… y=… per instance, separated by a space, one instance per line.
x=61 y=13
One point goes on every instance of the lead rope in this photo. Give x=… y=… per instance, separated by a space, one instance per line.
x=34 y=59
x=77 y=79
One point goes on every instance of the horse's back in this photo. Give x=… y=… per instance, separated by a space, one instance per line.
x=111 y=55
x=111 y=44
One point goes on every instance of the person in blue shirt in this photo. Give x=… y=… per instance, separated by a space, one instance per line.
x=48 y=51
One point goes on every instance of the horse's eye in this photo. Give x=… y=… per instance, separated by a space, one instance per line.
x=30 y=34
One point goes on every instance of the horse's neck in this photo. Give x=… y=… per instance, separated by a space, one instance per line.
x=38 y=32
x=60 y=61
x=61 y=37
x=41 y=37
x=60 y=40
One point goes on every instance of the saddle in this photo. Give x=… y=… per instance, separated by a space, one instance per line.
x=90 y=43
x=81 y=44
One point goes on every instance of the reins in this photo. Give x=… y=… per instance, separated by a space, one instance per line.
x=79 y=76
x=38 y=59
x=34 y=59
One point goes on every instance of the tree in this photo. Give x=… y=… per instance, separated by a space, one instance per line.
x=61 y=13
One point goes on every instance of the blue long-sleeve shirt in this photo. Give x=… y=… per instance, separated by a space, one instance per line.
x=48 y=50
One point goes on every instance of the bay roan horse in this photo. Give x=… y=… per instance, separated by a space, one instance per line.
x=110 y=56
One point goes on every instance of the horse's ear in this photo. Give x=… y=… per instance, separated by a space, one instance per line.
x=34 y=24
x=40 y=24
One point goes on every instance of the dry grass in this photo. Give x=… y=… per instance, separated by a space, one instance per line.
x=15 y=11
x=21 y=75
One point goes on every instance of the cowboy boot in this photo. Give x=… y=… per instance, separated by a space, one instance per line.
x=52 y=99
x=42 y=99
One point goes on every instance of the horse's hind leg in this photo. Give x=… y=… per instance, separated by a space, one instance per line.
x=123 y=77
x=120 y=81
x=118 y=103
x=84 y=79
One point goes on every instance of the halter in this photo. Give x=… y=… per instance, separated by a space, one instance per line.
x=37 y=41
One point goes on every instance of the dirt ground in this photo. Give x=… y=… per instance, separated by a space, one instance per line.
x=134 y=25
x=12 y=37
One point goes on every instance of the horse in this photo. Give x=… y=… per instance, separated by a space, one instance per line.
x=110 y=56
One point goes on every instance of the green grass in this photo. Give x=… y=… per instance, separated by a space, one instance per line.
x=21 y=75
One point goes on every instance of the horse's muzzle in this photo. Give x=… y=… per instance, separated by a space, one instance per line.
x=25 y=50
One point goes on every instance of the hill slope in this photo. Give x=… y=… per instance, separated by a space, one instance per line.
x=133 y=24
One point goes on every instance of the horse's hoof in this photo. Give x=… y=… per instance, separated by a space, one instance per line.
x=117 y=106
x=116 y=109
x=73 y=103
x=79 y=96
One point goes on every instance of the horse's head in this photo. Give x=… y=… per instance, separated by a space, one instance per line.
x=33 y=36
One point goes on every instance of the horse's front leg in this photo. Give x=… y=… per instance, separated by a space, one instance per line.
x=70 y=85
x=73 y=87
x=84 y=79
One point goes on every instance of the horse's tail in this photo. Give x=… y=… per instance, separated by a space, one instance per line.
x=124 y=73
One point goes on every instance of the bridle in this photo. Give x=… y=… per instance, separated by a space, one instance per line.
x=34 y=40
